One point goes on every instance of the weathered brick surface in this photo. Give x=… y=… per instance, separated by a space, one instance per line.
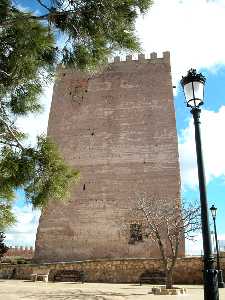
x=118 y=129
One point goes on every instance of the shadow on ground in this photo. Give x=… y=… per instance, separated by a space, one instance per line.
x=79 y=295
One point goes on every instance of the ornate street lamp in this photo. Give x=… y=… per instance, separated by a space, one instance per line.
x=221 y=284
x=193 y=86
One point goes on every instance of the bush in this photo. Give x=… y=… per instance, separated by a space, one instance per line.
x=13 y=260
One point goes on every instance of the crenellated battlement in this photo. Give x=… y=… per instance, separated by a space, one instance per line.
x=153 y=58
x=117 y=60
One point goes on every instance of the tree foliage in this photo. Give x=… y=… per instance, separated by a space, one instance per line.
x=27 y=60
x=3 y=247
x=41 y=171
x=82 y=34
x=6 y=216
x=91 y=29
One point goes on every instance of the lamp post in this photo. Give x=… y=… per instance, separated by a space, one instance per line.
x=193 y=86
x=221 y=284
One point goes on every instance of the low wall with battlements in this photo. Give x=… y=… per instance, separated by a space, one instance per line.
x=188 y=270
x=24 y=252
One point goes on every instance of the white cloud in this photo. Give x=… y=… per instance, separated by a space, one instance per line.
x=192 y=30
x=195 y=247
x=23 y=233
x=212 y=128
x=36 y=124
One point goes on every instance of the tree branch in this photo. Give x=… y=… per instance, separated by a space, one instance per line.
x=161 y=248
x=10 y=131
x=43 y=5
x=174 y=259
x=8 y=143
x=25 y=17
x=5 y=73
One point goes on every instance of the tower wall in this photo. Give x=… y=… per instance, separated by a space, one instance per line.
x=118 y=129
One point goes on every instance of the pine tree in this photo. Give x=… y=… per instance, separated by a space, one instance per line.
x=6 y=215
x=91 y=29
x=81 y=34
x=3 y=247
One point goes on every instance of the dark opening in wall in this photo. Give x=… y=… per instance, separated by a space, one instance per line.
x=135 y=233
x=84 y=187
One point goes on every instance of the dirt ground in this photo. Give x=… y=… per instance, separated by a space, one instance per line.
x=27 y=290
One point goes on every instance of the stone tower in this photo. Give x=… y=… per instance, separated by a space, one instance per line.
x=118 y=129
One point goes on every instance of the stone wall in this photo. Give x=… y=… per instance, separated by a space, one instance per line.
x=187 y=271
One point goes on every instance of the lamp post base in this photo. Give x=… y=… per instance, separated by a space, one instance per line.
x=221 y=283
x=211 y=291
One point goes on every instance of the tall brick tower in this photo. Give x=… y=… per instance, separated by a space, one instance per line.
x=118 y=129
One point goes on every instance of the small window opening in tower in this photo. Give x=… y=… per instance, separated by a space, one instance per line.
x=84 y=187
x=135 y=233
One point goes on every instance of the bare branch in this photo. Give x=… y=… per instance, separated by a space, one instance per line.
x=167 y=223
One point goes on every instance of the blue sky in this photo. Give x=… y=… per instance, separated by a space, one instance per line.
x=214 y=100
x=169 y=26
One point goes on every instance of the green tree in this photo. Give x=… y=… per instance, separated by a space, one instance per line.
x=91 y=29
x=6 y=216
x=3 y=247
x=81 y=34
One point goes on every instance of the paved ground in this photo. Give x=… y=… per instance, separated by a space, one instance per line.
x=26 y=290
